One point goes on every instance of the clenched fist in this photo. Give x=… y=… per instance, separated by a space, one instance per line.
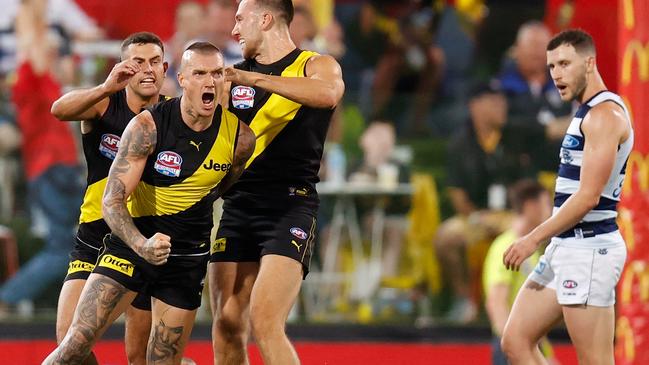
x=156 y=249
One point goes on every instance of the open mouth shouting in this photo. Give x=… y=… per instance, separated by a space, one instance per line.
x=208 y=100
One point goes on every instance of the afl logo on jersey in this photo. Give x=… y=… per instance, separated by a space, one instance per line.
x=243 y=97
x=569 y=284
x=570 y=142
x=299 y=233
x=168 y=163
x=108 y=145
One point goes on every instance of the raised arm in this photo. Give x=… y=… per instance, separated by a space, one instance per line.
x=322 y=88
x=604 y=128
x=86 y=104
x=137 y=143
x=242 y=152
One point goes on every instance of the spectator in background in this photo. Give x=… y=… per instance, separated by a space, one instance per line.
x=49 y=156
x=308 y=33
x=531 y=204
x=303 y=28
x=219 y=25
x=380 y=167
x=65 y=20
x=190 y=25
x=377 y=143
x=367 y=37
x=408 y=73
x=480 y=165
x=9 y=135
x=536 y=111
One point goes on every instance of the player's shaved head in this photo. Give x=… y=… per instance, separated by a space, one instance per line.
x=203 y=48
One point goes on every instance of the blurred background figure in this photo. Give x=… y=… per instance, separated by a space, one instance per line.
x=536 y=111
x=49 y=156
x=10 y=138
x=190 y=24
x=480 y=164
x=218 y=29
x=303 y=28
x=380 y=166
x=397 y=40
x=65 y=22
x=419 y=110
x=531 y=205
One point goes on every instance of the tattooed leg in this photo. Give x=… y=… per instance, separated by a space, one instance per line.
x=171 y=327
x=102 y=301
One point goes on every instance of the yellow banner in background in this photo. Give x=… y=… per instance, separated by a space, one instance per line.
x=632 y=329
x=635 y=49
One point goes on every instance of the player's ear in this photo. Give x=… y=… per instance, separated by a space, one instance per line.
x=165 y=66
x=181 y=78
x=590 y=64
x=267 y=20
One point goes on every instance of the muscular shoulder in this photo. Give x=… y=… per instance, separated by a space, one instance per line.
x=606 y=119
x=144 y=120
x=322 y=64
x=140 y=137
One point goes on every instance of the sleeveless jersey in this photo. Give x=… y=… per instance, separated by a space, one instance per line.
x=178 y=185
x=601 y=219
x=99 y=149
x=290 y=139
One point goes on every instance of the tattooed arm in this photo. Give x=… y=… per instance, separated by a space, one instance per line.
x=242 y=152
x=137 y=143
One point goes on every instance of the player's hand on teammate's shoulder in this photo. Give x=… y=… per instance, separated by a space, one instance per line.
x=518 y=252
x=120 y=75
x=156 y=249
x=238 y=77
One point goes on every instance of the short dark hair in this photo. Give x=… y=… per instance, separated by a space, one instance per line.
x=142 y=38
x=203 y=47
x=523 y=191
x=579 y=39
x=485 y=87
x=283 y=8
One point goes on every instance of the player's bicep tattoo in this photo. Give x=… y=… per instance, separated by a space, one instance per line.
x=138 y=141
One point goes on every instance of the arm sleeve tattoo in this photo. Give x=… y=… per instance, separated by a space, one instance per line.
x=137 y=143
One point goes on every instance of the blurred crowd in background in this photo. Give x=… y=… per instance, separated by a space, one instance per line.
x=449 y=101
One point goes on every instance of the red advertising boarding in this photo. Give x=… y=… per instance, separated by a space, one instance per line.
x=632 y=332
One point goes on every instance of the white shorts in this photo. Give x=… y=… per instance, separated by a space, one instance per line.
x=581 y=275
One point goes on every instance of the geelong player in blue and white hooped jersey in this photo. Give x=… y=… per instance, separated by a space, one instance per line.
x=577 y=275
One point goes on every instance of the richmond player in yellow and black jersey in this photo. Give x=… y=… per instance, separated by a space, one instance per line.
x=267 y=230
x=173 y=161
x=105 y=110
